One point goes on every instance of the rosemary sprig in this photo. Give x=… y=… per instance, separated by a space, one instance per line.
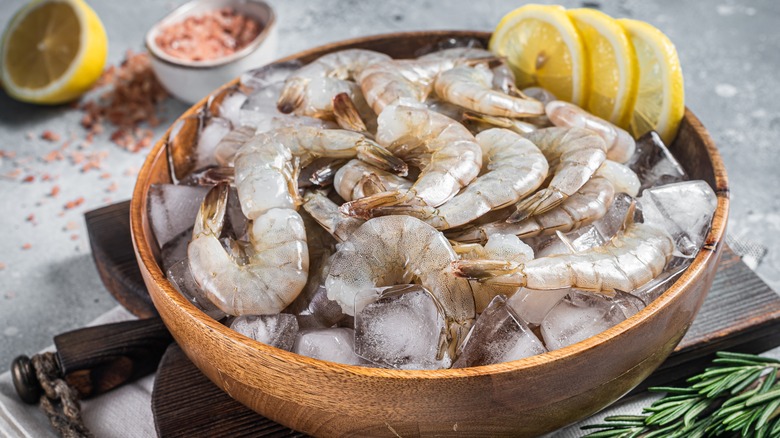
x=738 y=397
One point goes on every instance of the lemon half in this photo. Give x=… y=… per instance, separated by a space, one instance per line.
x=660 y=103
x=544 y=49
x=53 y=51
x=613 y=66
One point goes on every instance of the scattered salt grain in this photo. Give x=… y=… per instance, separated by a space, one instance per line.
x=50 y=136
x=74 y=203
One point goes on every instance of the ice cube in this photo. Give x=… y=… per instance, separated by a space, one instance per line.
x=654 y=164
x=176 y=249
x=213 y=131
x=498 y=336
x=332 y=344
x=180 y=276
x=684 y=210
x=578 y=317
x=227 y=104
x=172 y=209
x=278 y=330
x=660 y=284
x=259 y=78
x=401 y=328
x=320 y=312
x=615 y=217
x=533 y=305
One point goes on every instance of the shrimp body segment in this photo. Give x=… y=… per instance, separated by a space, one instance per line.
x=326 y=75
x=628 y=261
x=589 y=204
x=471 y=87
x=575 y=154
x=274 y=271
x=620 y=144
x=514 y=168
x=397 y=250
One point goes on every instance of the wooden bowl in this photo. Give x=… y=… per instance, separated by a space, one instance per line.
x=523 y=398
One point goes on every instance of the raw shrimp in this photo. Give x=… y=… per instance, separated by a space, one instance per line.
x=409 y=81
x=621 y=176
x=590 y=203
x=327 y=214
x=452 y=155
x=275 y=268
x=575 y=154
x=620 y=144
x=356 y=179
x=632 y=258
x=311 y=89
x=471 y=87
x=226 y=149
x=266 y=174
x=398 y=250
x=514 y=168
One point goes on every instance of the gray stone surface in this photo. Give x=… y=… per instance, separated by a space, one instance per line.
x=728 y=49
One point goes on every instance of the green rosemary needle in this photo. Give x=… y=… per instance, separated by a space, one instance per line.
x=739 y=396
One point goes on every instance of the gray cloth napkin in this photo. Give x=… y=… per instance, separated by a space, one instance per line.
x=127 y=411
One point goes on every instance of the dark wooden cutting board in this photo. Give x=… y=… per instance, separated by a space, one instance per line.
x=741 y=313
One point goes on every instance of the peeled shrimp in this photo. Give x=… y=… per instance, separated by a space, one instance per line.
x=471 y=87
x=274 y=271
x=409 y=81
x=327 y=214
x=514 y=168
x=620 y=144
x=589 y=204
x=575 y=154
x=266 y=173
x=310 y=90
x=356 y=179
x=398 y=250
x=632 y=258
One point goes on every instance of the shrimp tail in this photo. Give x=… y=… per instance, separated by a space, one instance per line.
x=542 y=201
x=423 y=212
x=292 y=95
x=347 y=115
x=364 y=208
x=211 y=216
x=490 y=269
x=468 y=234
x=371 y=184
x=513 y=125
x=377 y=156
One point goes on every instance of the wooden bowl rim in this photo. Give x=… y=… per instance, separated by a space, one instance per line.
x=142 y=245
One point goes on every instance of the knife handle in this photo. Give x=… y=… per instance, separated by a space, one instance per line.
x=94 y=360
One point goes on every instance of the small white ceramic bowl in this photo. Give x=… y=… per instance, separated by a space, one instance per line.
x=190 y=81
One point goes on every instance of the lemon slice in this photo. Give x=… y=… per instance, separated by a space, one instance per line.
x=52 y=51
x=613 y=66
x=544 y=49
x=660 y=103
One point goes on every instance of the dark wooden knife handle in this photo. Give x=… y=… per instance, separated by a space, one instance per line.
x=94 y=360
